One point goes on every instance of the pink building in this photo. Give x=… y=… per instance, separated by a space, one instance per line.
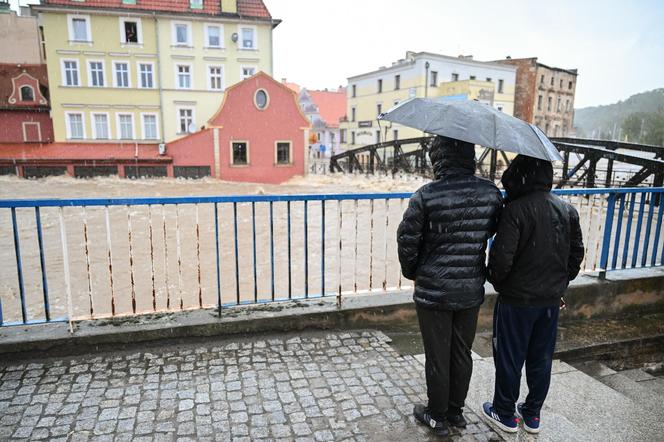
x=258 y=135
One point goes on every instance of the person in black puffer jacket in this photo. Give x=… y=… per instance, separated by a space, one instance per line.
x=537 y=251
x=441 y=243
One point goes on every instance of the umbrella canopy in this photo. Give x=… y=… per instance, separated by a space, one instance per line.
x=474 y=122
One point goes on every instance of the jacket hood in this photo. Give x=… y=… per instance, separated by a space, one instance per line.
x=526 y=175
x=451 y=156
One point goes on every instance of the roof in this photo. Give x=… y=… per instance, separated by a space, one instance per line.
x=81 y=151
x=533 y=60
x=292 y=86
x=245 y=8
x=9 y=71
x=331 y=105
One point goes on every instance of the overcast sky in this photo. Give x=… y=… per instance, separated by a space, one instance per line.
x=617 y=46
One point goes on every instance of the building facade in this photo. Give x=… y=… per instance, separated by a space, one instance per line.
x=420 y=74
x=20 y=37
x=24 y=106
x=139 y=71
x=324 y=109
x=544 y=95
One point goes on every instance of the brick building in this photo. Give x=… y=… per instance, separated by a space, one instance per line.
x=544 y=95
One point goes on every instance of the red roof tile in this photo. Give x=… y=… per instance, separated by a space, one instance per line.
x=80 y=151
x=9 y=71
x=245 y=8
x=331 y=105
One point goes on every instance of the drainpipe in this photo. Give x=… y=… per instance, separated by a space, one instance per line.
x=426 y=79
x=161 y=89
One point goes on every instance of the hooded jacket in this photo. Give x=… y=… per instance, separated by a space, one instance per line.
x=538 y=248
x=442 y=238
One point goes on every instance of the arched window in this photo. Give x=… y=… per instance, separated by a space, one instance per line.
x=27 y=94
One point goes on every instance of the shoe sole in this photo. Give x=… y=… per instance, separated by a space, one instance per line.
x=499 y=424
x=526 y=427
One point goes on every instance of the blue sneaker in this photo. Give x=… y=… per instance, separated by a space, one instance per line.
x=530 y=423
x=510 y=425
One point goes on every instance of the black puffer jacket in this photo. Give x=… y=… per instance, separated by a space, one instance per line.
x=538 y=248
x=442 y=238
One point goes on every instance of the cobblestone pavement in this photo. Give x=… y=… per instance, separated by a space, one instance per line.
x=318 y=387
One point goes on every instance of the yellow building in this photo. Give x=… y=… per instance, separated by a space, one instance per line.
x=420 y=74
x=145 y=71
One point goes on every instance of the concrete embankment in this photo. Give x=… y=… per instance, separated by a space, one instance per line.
x=589 y=296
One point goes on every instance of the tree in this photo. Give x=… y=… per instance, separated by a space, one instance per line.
x=654 y=129
x=633 y=126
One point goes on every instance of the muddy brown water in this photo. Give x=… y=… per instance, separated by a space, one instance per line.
x=169 y=260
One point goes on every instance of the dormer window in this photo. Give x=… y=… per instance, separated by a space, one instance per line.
x=27 y=93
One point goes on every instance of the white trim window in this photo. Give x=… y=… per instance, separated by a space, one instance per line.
x=146 y=75
x=149 y=125
x=183 y=76
x=283 y=152
x=247 y=37
x=121 y=74
x=96 y=73
x=70 y=73
x=131 y=30
x=248 y=71
x=79 y=28
x=27 y=94
x=100 y=126
x=75 y=126
x=215 y=78
x=239 y=153
x=186 y=119
x=214 y=36
x=181 y=34
x=125 y=126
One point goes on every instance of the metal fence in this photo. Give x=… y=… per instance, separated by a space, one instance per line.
x=78 y=259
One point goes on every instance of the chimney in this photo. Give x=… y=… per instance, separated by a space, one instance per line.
x=229 y=6
x=509 y=57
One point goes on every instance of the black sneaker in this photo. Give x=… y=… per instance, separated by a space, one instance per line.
x=456 y=420
x=423 y=415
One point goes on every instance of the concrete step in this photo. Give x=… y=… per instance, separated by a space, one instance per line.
x=578 y=407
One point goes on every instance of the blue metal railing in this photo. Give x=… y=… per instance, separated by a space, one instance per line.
x=235 y=256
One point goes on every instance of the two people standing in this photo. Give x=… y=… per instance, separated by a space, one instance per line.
x=537 y=251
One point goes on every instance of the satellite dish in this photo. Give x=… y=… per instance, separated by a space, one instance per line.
x=192 y=128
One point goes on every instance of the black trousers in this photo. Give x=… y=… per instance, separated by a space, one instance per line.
x=523 y=334
x=448 y=337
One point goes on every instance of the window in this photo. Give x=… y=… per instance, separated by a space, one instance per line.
x=352 y=137
x=128 y=2
x=561 y=84
x=181 y=34
x=395 y=134
x=546 y=129
x=196 y=4
x=379 y=109
x=130 y=31
x=455 y=77
x=380 y=85
x=126 y=126
x=185 y=120
x=150 y=126
x=146 y=75
x=434 y=78
x=318 y=137
x=548 y=106
x=79 y=28
x=567 y=105
x=472 y=77
x=100 y=127
x=70 y=74
x=377 y=136
x=397 y=82
x=283 y=152
x=215 y=78
x=488 y=79
x=248 y=72
x=569 y=85
x=342 y=136
x=354 y=91
x=558 y=104
x=75 y=128
x=352 y=113
x=542 y=79
x=261 y=99
x=183 y=76
x=539 y=102
x=213 y=35
x=552 y=80
x=96 y=73
x=27 y=94
x=248 y=36
x=501 y=84
x=121 y=76
x=240 y=154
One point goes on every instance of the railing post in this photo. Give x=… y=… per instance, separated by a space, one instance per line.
x=606 y=243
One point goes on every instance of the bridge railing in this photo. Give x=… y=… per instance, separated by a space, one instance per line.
x=79 y=259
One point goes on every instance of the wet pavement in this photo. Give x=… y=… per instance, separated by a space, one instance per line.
x=316 y=387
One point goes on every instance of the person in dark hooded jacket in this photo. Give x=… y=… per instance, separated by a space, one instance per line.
x=441 y=243
x=537 y=251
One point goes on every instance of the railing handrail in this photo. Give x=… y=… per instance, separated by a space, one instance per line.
x=143 y=201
